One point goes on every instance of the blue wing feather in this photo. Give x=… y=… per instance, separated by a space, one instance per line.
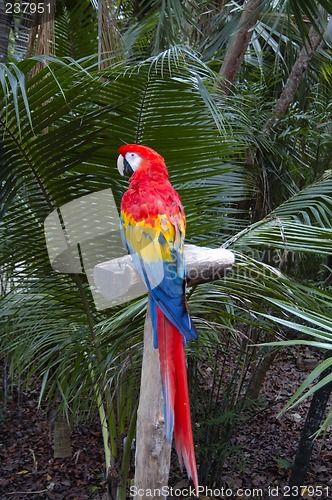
x=164 y=279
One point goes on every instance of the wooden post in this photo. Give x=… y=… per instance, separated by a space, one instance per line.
x=153 y=452
x=118 y=281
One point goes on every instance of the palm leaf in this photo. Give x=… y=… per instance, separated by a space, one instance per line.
x=317 y=326
x=300 y=224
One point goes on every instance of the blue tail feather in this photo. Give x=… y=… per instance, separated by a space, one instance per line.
x=175 y=310
x=153 y=312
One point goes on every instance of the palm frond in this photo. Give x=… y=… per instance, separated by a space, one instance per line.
x=317 y=327
x=300 y=224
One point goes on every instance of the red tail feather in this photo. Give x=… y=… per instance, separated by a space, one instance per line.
x=176 y=396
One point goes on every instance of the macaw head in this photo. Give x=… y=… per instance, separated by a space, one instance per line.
x=136 y=158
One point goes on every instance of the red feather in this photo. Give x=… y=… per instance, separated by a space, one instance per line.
x=176 y=395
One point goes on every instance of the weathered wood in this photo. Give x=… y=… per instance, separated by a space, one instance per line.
x=153 y=453
x=118 y=281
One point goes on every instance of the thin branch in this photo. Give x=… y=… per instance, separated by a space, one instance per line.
x=288 y=94
x=36 y=492
x=239 y=44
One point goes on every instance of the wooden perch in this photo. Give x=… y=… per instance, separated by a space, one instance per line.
x=119 y=282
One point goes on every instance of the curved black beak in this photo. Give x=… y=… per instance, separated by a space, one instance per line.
x=127 y=170
x=124 y=167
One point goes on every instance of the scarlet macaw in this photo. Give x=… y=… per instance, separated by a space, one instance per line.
x=153 y=225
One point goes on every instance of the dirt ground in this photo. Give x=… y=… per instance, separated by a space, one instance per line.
x=267 y=447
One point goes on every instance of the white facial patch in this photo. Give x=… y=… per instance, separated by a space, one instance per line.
x=134 y=160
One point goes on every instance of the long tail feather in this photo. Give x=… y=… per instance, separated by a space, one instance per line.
x=183 y=436
x=176 y=396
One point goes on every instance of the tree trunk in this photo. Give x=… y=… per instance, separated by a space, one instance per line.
x=109 y=41
x=258 y=377
x=291 y=86
x=5 y=25
x=314 y=417
x=153 y=452
x=239 y=44
x=61 y=437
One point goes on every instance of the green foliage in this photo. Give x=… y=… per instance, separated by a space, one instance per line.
x=78 y=121
x=265 y=196
x=316 y=326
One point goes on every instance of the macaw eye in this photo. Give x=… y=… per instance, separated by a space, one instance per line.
x=133 y=159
